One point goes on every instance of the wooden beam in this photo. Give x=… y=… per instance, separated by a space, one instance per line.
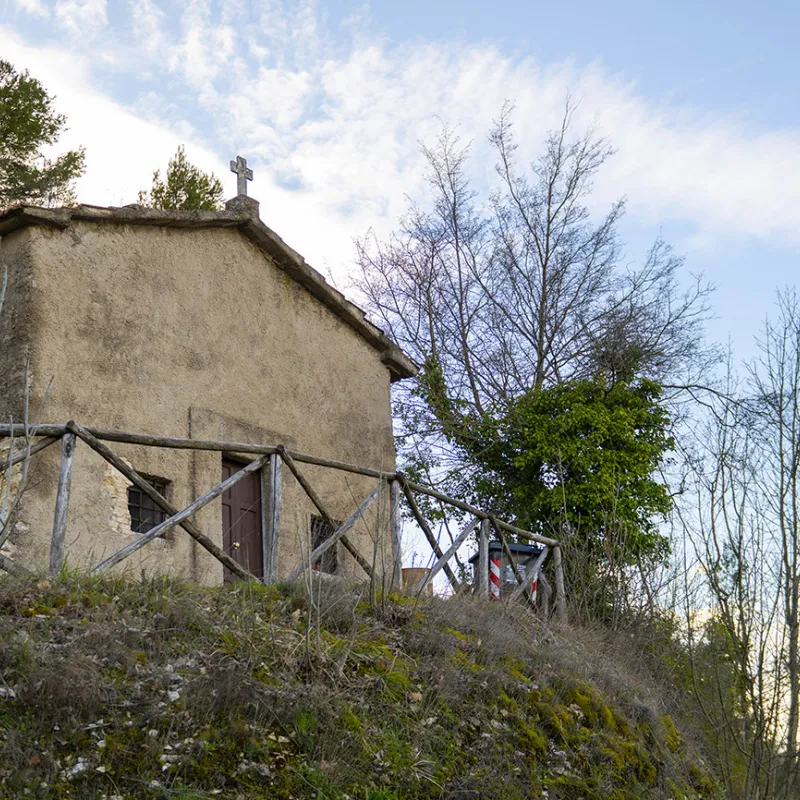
x=176 y=519
x=305 y=458
x=448 y=554
x=357 y=557
x=507 y=550
x=483 y=560
x=12 y=568
x=530 y=577
x=21 y=455
x=316 y=554
x=546 y=594
x=510 y=557
x=395 y=526
x=62 y=503
x=412 y=504
x=147 y=440
x=534 y=537
x=19 y=430
x=144 y=486
x=315 y=499
x=274 y=511
x=561 y=597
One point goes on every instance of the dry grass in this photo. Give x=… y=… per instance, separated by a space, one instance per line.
x=161 y=689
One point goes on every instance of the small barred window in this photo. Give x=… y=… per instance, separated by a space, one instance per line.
x=320 y=531
x=145 y=514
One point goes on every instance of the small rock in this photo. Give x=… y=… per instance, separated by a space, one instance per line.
x=79 y=767
x=253 y=766
x=173 y=696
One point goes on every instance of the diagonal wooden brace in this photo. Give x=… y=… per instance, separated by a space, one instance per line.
x=176 y=519
x=412 y=504
x=316 y=554
x=442 y=562
x=530 y=577
x=21 y=455
x=314 y=497
x=510 y=557
x=137 y=480
x=12 y=568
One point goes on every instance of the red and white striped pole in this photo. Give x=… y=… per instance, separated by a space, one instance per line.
x=494 y=579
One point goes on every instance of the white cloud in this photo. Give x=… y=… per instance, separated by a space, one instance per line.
x=122 y=149
x=33 y=7
x=332 y=126
x=82 y=17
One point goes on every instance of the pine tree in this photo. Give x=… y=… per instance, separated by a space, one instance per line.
x=29 y=122
x=185 y=187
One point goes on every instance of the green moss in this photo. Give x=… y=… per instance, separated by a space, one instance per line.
x=351 y=722
x=597 y=713
x=462 y=661
x=673 y=738
x=460 y=635
x=263 y=714
x=532 y=740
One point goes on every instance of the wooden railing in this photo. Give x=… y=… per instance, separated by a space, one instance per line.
x=39 y=437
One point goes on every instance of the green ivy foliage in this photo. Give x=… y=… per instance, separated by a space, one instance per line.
x=578 y=458
x=185 y=187
x=581 y=456
x=28 y=122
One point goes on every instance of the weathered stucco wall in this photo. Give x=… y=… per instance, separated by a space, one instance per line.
x=192 y=333
x=16 y=322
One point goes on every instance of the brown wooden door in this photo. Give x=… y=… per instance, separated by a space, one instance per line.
x=241 y=521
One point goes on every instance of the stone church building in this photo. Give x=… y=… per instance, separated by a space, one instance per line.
x=200 y=325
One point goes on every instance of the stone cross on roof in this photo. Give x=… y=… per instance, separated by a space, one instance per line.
x=243 y=174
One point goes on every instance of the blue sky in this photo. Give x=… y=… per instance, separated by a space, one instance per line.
x=329 y=100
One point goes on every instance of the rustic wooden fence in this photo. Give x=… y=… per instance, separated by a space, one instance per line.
x=40 y=437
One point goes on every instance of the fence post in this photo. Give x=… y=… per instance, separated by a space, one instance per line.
x=561 y=600
x=62 y=503
x=394 y=528
x=483 y=560
x=272 y=549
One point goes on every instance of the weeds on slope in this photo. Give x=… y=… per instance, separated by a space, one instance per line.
x=159 y=689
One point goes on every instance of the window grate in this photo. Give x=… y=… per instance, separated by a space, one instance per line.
x=320 y=531
x=145 y=514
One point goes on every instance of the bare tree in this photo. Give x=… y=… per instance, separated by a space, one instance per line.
x=745 y=528
x=775 y=377
x=525 y=289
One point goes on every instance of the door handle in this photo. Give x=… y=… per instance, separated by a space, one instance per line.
x=236 y=545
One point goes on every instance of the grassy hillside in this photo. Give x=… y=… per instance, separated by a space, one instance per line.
x=119 y=689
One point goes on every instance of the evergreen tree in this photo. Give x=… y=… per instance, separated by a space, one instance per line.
x=185 y=187
x=29 y=122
